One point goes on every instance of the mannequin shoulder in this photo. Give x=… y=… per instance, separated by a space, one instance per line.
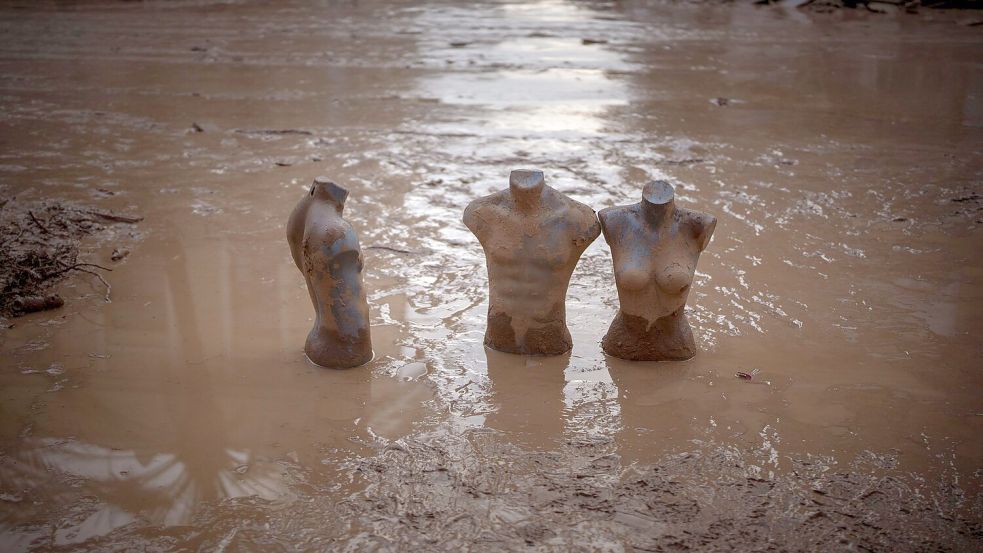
x=616 y=218
x=700 y=225
x=323 y=236
x=483 y=211
x=614 y=215
x=580 y=214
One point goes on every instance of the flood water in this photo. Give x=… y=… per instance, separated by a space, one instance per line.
x=841 y=154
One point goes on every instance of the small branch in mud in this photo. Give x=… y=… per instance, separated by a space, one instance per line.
x=274 y=132
x=43 y=228
x=910 y=6
x=116 y=217
x=109 y=288
x=76 y=266
x=687 y=161
x=390 y=249
x=79 y=267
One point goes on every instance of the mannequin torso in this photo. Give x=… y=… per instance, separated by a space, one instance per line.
x=533 y=237
x=326 y=250
x=655 y=247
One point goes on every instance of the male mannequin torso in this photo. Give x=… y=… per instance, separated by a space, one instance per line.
x=533 y=237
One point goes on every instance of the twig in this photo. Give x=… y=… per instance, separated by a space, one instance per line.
x=115 y=217
x=389 y=248
x=108 y=287
x=300 y=132
x=33 y=273
x=687 y=161
x=76 y=266
x=38 y=223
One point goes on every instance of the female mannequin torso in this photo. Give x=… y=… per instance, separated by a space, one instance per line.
x=655 y=247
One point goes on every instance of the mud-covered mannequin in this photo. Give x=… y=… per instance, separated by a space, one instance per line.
x=655 y=245
x=533 y=237
x=326 y=251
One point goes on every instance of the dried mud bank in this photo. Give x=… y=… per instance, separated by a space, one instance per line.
x=844 y=278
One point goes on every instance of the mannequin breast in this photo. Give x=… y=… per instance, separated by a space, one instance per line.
x=656 y=284
x=653 y=273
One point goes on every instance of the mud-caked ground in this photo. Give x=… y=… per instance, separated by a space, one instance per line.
x=152 y=152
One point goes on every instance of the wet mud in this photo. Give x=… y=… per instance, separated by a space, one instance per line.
x=838 y=151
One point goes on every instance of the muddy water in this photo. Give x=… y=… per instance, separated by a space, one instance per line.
x=840 y=153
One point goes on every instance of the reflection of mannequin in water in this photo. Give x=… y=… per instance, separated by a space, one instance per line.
x=326 y=251
x=655 y=246
x=533 y=237
x=660 y=411
x=527 y=394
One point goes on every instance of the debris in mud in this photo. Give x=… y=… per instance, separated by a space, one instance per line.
x=390 y=249
x=459 y=44
x=196 y=127
x=39 y=246
x=909 y=6
x=119 y=254
x=30 y=304
x=274 y=132
x=589 y=41
x=280 y=163
x=687 y=161
x=116 y=218
x=720 y=101
x=970 y=198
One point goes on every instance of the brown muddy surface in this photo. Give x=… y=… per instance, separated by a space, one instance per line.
x=840 y=153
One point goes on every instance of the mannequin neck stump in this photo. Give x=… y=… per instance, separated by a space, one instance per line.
x=527 y=188
x=658 y=203
x=324 y=189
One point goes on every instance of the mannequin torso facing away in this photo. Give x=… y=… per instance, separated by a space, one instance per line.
x=655 y=246
x=326 y=250
x=532 y=236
